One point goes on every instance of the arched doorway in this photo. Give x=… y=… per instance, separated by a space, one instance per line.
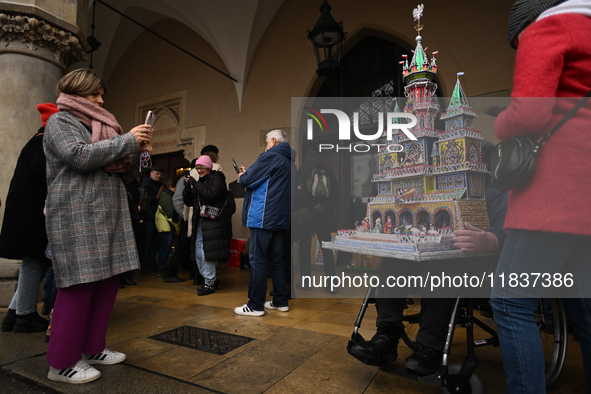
x=369 y=69
x=171 y=163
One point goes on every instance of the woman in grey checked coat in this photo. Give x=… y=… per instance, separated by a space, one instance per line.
x=88 y=222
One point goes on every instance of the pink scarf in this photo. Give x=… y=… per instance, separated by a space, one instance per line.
x=103 y=124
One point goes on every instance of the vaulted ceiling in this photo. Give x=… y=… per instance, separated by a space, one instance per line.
x=232 y=27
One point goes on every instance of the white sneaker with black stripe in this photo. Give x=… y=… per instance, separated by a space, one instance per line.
x=271 y=305
x=246 y=311
x=81 y=372
x=106 y=357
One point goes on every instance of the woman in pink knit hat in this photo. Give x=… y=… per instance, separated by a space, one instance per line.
x=213 y=207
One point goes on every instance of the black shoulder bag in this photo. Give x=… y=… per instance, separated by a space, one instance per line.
x=513 y=161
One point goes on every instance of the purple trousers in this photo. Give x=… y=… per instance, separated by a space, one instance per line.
x=79 y=322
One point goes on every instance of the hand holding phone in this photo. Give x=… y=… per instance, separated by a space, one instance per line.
x=150 y=118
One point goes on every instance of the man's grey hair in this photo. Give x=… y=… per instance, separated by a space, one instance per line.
x=279 y=135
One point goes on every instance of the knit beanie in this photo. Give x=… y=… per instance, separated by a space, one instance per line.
x=210 y=148
x=46 y=110
x=525 y=12
x=204 y=161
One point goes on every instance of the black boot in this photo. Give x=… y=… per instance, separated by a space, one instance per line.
x=46 y=306
x=30 y=323
x=9 y=320
x=127 y=281
x=381 y=349
x=205 y=290
x=423 y=361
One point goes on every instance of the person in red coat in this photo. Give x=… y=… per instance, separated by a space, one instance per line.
x=548 y=219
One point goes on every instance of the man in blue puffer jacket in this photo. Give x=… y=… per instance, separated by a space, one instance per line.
x=267 y=213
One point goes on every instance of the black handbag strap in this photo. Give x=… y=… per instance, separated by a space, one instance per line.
x=566 y=117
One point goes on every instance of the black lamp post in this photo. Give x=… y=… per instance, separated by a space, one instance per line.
x=327 y=39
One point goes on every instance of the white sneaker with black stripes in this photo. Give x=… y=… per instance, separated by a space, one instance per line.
x=246 y=311
x=81 y=372
x=106 y=357
x=271 y=305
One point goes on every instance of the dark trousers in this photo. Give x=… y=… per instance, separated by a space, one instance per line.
x=266 y=250
x=434 y=318
x=181 y=253
x=435 y=313
x=322 y=231
x=287 y=243
x=152 y=242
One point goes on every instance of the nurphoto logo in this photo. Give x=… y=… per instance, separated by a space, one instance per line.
x=406 y=121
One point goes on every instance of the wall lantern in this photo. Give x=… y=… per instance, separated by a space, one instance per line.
x=327 y=39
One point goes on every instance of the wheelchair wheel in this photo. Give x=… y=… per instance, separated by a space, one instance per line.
x=411 y=327
x=474 y=384
x=552 y=326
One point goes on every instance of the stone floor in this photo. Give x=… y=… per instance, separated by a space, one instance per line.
x=301 y=351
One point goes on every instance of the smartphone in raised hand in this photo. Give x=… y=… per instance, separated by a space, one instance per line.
x=150 y=118
x=235 y=166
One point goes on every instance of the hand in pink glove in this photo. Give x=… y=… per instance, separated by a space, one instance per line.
x=473 y=239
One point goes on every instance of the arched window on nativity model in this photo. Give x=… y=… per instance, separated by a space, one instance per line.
x=442 y=219
x=389 y=221
x=423 y=220
x=405 y=218
x=376 y=221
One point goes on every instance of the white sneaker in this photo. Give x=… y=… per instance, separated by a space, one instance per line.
x=270 y=305
x=106 y=357
x=81 y=372
x=246 y=311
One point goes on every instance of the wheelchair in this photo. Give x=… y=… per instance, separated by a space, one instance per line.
x=460 y=378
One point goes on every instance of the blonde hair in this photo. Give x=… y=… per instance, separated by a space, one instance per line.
x=82 y=82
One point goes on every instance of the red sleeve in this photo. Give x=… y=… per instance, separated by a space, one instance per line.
x=538 y=68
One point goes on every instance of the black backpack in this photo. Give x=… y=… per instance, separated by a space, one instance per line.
x=144 y=201
x=318 y=185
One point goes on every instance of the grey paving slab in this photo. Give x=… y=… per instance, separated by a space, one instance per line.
x=10 y=385
x=264 y=362
x=115 y=379
x=18 y=346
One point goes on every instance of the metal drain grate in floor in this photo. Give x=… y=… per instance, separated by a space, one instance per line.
x=210 y=341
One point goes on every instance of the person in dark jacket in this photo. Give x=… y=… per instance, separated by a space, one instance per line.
x=24 y=215
x=267 y=213
x=152 y=185
x=166 y=224
x=133 y=199
x=318 y=192
x=211 y=235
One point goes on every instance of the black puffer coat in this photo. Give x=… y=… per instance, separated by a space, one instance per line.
x=23 y=229
x=211 y=190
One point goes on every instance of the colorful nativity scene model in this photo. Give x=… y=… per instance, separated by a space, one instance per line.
x=429 y=189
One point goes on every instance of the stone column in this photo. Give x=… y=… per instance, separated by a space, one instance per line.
x=34 y=55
